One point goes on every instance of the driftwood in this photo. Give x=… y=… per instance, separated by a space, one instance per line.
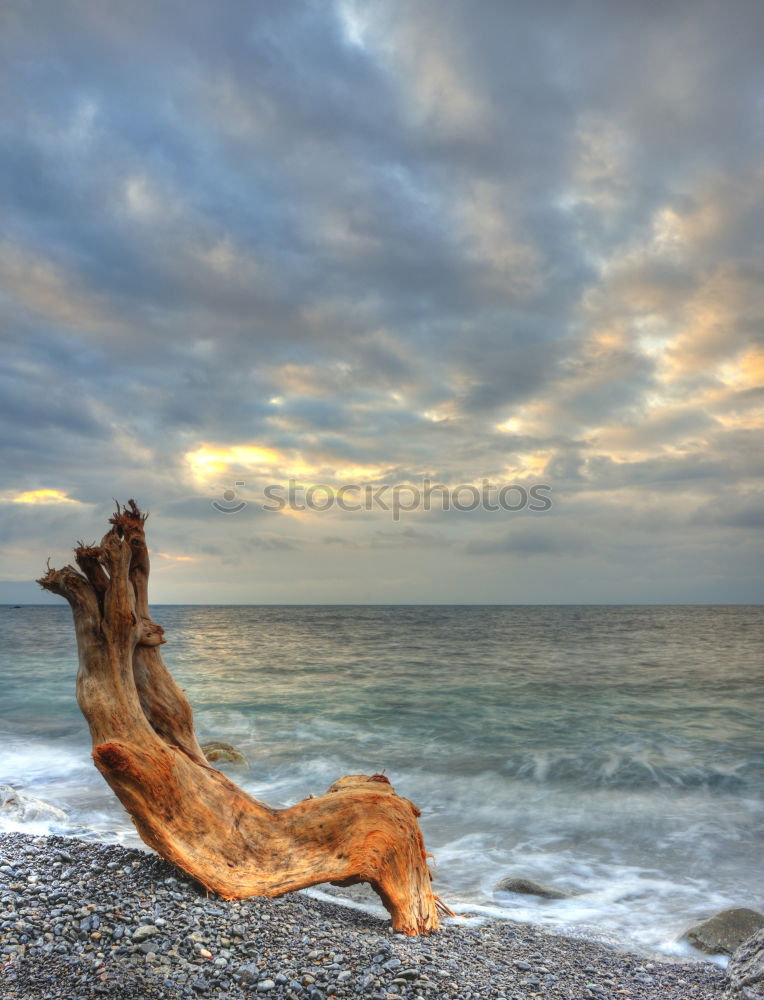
x=145 y=746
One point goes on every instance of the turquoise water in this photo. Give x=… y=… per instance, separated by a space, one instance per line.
x=613 y=751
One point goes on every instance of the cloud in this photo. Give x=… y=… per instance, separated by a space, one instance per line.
x=746 y=512
x=527 y=542
x=390 y=242
x=45 y=496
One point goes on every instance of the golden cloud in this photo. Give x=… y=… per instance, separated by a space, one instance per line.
x=46 y=496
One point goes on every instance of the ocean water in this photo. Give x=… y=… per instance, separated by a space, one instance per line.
x=616 y=752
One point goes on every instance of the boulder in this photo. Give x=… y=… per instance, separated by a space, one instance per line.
x=529 y=888
x=745 y=972
x=216 y=750
x=723 y=933
x=27 y=809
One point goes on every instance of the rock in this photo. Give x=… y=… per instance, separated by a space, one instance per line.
x=28 y=809
x=529 y=888
x=216 y=750
x=726 y=931
x=249 y=973
x=745 y=972
x=143 y=932
x=298 y=948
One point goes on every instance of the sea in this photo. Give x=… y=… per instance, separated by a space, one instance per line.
x=615 y=753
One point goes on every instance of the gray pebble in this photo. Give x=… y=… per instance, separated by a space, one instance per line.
x=67 y=937
x=143 y=932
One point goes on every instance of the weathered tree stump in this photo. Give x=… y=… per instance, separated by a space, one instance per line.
x=145 y=746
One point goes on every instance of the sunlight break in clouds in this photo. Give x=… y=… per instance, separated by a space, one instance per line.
x=45 y=496
x=207 y=463
x=172 y=558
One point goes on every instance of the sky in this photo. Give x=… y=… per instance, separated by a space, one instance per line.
x=494 y=246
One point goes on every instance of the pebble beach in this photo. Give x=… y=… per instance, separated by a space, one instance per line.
x=82 y=920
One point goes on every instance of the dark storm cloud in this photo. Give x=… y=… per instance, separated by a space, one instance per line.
x=533 y=542
x=735 y=511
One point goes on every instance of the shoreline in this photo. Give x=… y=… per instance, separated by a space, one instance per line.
x=82 y=919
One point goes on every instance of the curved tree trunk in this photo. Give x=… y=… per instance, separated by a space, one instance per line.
x=145 y=746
